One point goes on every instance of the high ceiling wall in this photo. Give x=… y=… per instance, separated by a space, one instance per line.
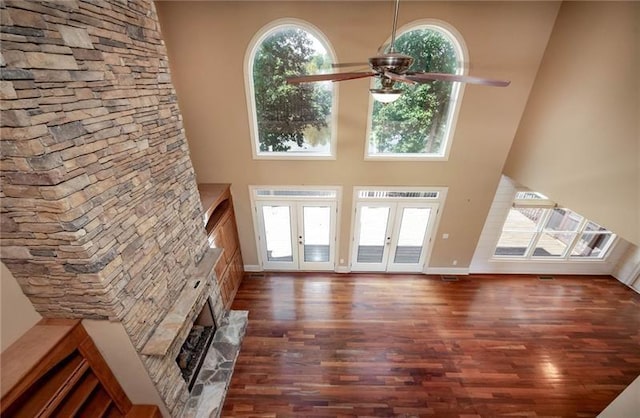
x=579 y=139
x=207 y=43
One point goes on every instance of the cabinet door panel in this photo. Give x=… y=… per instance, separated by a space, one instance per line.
x=220 y=267
x=224 y=287
x=230 y=236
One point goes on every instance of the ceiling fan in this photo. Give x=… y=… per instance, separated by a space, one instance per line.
x=391 y=67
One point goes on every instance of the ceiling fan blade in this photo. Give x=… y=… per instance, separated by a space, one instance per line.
x=328 y=77
x=399 y=77
x=350 y=64
x=424 y=77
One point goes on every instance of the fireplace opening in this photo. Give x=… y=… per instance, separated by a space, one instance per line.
x=195 y=348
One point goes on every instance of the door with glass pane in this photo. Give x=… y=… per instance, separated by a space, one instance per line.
x=277 y=235
x=410 y=237
x=297 y=235
x=392 y=236
x=316 y=235
x=372 y=236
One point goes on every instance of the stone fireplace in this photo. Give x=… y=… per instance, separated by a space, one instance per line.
x=194 y=349
x=101 y=217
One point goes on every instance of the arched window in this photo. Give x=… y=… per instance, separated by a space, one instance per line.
x=290 y=120
x=420 y=123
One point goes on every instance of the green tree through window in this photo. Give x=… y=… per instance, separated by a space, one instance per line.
x=291 y=118
x=416 y=123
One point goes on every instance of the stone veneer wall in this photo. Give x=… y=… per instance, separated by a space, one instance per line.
x=100 y=212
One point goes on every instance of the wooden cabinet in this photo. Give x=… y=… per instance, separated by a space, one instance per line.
x=223 y=233
x=55 y=369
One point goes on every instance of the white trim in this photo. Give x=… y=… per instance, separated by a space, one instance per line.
x=254 y=199
x=249 y=56
x=342 y=269
x=628 y=268
x=254 y=188
x=439 y=202
x=543 y=267
x=457 y=93
x=254 y=268
x=458 y=271
x=634 y=278
x=292 y=212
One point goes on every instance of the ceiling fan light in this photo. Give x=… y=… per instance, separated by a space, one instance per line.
x=386 y=95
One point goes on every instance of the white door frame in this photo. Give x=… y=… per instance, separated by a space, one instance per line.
x=382 y=265
x=317 y=265
x=426 y=241
x=296 y=197
x=399 y=194
x=262 y=241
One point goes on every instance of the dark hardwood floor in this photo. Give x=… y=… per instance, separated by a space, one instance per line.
x=409 y=345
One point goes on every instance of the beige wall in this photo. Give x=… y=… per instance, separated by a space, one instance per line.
x=579 y=140
x=17 y=314
x=627 y=404
x=207 y=42
x=114 y=344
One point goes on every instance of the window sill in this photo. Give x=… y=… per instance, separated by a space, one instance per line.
x=405 y=157
x=294 y=157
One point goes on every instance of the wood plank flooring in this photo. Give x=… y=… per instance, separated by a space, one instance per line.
x=414 y=345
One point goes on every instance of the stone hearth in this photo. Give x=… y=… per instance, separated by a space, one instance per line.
x=207 y=396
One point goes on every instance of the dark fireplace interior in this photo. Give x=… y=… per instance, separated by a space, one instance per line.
x=195 y=347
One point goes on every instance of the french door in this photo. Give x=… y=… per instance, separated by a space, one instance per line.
x=296 y=235
x=392 y=236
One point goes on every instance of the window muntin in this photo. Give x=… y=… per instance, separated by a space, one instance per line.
x=558 y=233
x=291 y=121
x=419 y=124
x=518 y=231
x=551 y=233
x=594 y=242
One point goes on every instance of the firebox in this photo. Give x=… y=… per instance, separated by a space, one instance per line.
x=195 y=348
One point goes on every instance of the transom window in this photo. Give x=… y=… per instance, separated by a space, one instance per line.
x=536 y=229
x=290 y=120
x=397 y=194
x=419 y=124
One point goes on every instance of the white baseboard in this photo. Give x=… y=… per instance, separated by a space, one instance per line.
x=252 y=267
x=542 y=267
x=343 y=269
x=458 y=271
x=628 y=277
